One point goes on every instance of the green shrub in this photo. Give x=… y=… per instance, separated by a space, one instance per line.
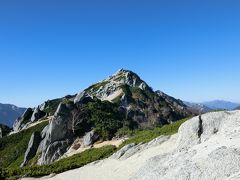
x=96 y=86
x=125 y=131
x=105 y=118
x=62 y=165
x=52 y=106
x=127 y=91
x=145 y=136
x=13 y=147
x=138 y=94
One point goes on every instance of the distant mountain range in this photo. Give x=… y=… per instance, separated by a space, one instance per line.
x=237 y=108
x=9 y=113
x=197 y=108
x=211 y=106
x=219 y=104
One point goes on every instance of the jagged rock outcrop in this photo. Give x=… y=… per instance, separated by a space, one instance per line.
x=23 y=120
x=32 y=148
x=82 y=98
x=37 y=114
x=90 y=138
x=43 y=106
x=57 y=136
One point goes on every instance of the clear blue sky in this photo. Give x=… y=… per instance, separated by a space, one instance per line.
x=50 y=48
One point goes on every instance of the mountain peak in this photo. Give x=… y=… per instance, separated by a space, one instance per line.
x=128 y=89
x=122 y=71
x=127 y=77
x=112 y=87
x=125 y=71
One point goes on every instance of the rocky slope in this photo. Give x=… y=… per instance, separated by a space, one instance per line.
x=136 y=98
x=206 y=147
x=9 y=113
x=121 y=101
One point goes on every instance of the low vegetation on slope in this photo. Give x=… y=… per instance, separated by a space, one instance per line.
x=88 y=156
x=104 y=117
x=4 y=130
x=145 y=136
x=13 y=147
x=72 y=162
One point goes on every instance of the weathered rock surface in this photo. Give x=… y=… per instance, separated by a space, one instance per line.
x=23 y=120
x=90 y=138
x=131 y=149
x=54 y=151
x=37 y=114
x=205 y=147
x=146 y=107
x=57 y=136
x=32 y=147
x=82 y=97
x=42 y=106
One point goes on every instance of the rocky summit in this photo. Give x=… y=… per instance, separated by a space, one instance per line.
x=123 y=100
x=136 y=98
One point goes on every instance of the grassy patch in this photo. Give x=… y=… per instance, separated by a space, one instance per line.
x=12 y=148
x=52 y=106
x=105 y=118
x=145 y=136
x=218 y=110
x=138 y=94
x=96 y=86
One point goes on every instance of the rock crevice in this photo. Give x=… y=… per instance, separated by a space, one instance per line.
x=200 y=128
